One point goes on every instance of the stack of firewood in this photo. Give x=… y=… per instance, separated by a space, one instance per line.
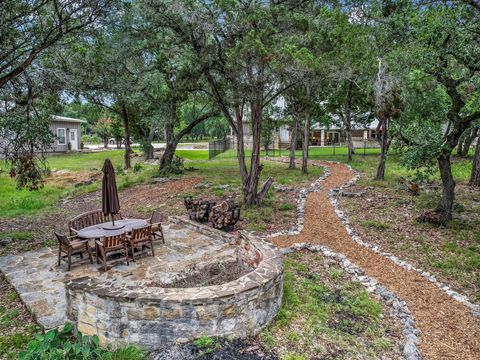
x=225 y=215
x=198 y=210
x=222 y=216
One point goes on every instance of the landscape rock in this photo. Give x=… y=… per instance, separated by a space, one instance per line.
x=84 y=182
x=220 y=187
x=202 y=186
x=352 y=194
x=5 y=241
x=160 y=180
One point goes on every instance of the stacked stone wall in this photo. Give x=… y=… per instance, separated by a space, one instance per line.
x=151 y=317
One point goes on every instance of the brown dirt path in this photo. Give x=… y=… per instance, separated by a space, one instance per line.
x=448 y=329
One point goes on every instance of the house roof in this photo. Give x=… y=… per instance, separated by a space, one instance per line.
x=66 y=119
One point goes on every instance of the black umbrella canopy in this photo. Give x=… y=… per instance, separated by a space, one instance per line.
x=110 y=203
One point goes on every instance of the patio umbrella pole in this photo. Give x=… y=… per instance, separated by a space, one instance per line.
x=110 y=203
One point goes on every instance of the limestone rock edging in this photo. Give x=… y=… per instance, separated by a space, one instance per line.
x=333 y=195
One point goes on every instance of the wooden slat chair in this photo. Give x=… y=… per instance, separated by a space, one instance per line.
x=111 y=245
x=71 y=245
x=117 y=216
x=89 y=218
x=141 y=239
x=155 y=222
x=85 y=220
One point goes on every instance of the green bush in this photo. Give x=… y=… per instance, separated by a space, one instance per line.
x=90 y=139
x=204 y=342
x=137 y=167
x=63 y=344
x=119 y=170
x=175 y=168
x=206 y=345
x=286 y=207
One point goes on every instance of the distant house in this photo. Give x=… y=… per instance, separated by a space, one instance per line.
x=66 y=131
x=334 y=135
x=363 y=135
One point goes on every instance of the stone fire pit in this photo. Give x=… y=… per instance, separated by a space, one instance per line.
x=134 y=309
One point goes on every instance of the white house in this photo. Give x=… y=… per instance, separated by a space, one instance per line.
x=334 y=135
x=66 y=131
x=320 y=135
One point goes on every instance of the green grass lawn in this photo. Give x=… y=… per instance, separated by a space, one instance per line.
x=193 y=154
x=365 y=161
x=14 y=202
x=85 y=161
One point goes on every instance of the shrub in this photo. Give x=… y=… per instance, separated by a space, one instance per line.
x=285 y=207
x=175 y=168
x=137 y=167
x=90 y=139
x=119 y=170
x=206 y=345
x=63 y=344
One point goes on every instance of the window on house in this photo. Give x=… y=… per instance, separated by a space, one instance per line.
x=61 y=136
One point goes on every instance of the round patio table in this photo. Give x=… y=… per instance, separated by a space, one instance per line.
x=98 y=231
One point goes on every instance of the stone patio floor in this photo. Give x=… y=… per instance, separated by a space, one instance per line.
x=40 y=282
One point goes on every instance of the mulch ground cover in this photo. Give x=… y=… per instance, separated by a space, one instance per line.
x=387 y=216
x=448 y=328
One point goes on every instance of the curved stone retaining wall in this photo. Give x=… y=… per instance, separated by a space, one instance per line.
x=151 y=316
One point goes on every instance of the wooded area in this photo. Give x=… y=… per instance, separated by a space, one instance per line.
x=145 y=67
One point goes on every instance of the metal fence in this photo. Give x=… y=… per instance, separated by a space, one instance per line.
x=217 y=147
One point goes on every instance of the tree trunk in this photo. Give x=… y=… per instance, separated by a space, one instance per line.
x=128 y=150
x=347 y=121
x=250 y=196
x=475 y=176
x=293 y=139
x=167 y=156
x=170 y=146
x=383 y=155
x=445 y=206
x=470 y=136
x=105 y=142
x=460 y=148
x=173 y=139
x=148 y=148
x=348 y=132
x=255 y=76
x=306 y=133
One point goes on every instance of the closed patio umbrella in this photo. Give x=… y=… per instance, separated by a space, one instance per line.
x=110 y=203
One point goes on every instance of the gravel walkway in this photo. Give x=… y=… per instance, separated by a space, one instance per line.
x=448 y=329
